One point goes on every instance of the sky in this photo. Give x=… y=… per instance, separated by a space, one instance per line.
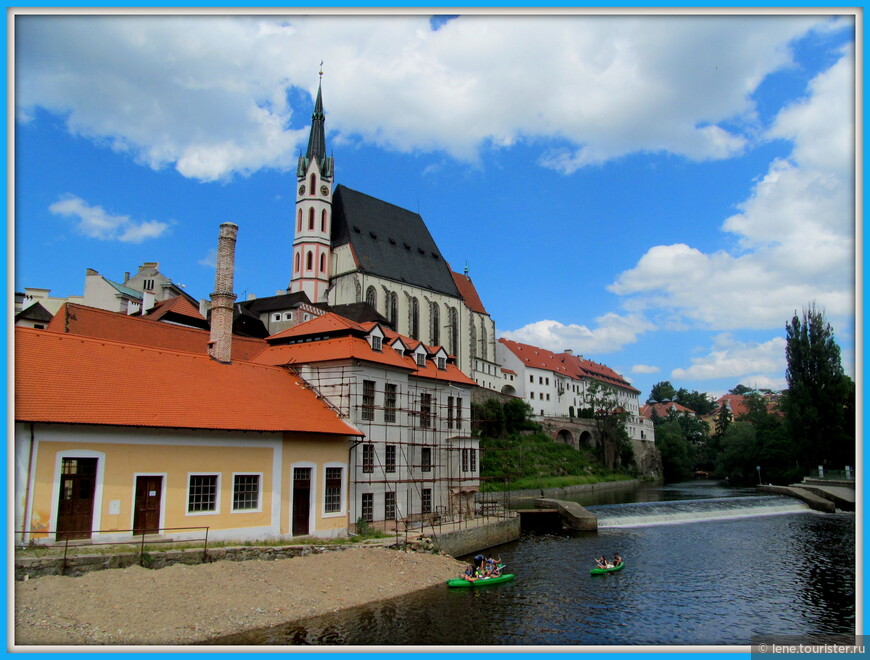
x=658 y=193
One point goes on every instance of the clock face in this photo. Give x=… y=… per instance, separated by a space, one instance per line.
x=302 y=189
x=324 y=190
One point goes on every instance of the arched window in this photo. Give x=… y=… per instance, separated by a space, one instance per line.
x=299 y=220
x=414 y=319
x=454 y=331
x=358 y=296
x=473 y=353
x=311 y=218
x=323 y=221
x=483 y=342
x=309 y=260
x=296 y=267
x=323 y=263
x=312 y=188
x=394 y=310
x=434 y=325
x=372 y=297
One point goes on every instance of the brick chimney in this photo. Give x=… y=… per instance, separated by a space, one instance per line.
x=221 y=340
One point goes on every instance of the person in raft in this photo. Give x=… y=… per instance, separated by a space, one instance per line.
x=492 y=569
x=617 y=559
x=470 y=573
x=601 y=562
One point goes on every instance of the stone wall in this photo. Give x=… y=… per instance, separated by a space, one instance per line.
x=473 y=539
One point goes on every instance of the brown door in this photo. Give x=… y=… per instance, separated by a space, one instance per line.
x=301 y=500
x=75 y=507
x=146 y=517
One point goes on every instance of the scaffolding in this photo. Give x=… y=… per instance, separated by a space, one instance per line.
x=418 y=467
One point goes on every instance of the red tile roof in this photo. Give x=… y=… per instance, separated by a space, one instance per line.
x=70 y=379
x=662 y=409
x=328 y=323
x=178 y=305
x=469 y=293
x=92 y=322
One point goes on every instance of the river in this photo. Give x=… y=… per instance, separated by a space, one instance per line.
x=705 y=565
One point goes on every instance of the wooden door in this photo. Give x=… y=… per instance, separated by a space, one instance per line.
x=301 y=500
x=75 y=507
x=146 y=515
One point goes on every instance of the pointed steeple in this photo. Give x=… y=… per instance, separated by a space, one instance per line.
x=316 y=151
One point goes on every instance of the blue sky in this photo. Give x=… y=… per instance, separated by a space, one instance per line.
x=658 y=193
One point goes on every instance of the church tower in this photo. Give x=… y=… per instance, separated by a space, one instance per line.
x=312 y=246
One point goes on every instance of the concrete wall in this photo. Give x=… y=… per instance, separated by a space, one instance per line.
x=474 y=539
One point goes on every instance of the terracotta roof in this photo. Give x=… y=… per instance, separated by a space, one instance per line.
x=92 y=322
x=736 y=403
x=469 y=293
x=536 y=358
x=662 y=409
x=177 y=305
x=69 y=379
x=328 y=323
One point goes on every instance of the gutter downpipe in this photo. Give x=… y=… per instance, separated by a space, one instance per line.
x=27 y=486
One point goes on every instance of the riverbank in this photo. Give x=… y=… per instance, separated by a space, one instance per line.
x=181 y=604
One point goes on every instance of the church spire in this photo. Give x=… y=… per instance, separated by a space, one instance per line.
x=317 y=137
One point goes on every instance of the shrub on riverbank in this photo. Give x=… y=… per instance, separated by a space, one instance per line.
x=521 y=462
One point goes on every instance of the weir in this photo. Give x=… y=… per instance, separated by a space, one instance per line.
x=688 y=511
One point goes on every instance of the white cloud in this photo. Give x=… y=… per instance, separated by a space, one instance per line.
x=644 y=369
x=612 y=333
x=796 y=231
x=208 y=95
x=95 y=222
x=744 y=362
x=209 y=260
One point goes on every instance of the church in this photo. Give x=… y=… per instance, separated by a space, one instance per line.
x=351 y=248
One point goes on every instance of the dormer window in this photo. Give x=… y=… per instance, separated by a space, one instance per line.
x=442 y=363
x=421 y=359
x=376 y=343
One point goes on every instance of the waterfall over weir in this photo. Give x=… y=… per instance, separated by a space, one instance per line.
x=615 y=516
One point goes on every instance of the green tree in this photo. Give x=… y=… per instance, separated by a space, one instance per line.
x=820 y=396
x=694 y=400
x=662 y=391
x=740 y=389
x=740 y=453
x=723 y=419
x=615 y=445
x=676 y=452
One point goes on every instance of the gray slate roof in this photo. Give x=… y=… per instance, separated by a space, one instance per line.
x=389 y=241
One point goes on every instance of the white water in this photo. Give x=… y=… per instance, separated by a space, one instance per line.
x=645 y=514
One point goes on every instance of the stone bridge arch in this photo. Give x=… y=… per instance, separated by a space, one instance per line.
x=573 y=432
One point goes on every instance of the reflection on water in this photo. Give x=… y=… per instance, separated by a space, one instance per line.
x=700 y=583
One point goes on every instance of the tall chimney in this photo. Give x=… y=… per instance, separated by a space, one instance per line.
x=220 y=346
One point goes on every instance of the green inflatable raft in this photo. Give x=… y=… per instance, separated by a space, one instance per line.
x=482 y=582
x=599 y=571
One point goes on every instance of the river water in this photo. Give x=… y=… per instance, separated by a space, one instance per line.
x=705 y=565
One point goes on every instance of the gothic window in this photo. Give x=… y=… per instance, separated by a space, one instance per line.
x=358 y=297
x=372 y=297
x=434 y=325
x=297 y=263
x=454 y=331
x=299 y=220
x=323 y=263
x=483 y=342
x=414 y=319
x=323 y=221
x=311 y=218
x=394 y=310
x=313 y=187
x=309 y=260
x=473 y=353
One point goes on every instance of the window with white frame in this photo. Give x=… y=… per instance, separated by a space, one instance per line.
x=246 y=492
x=332 y=491
x=421 y=359
x=202 y=491
x=376 y=343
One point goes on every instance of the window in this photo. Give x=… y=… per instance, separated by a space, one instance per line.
x=454 y=331
x=425 y=411
x=389 y=506
x=148 y=285
x=202 y=493
x=323 y=221
x=390 y=402
x=442 y=363
x=323 y=263
x=299 y=220
x=276 y=317
x=458 y=412
x=421 y=359
x=368 y=507
x=394 y=310
x=414 y=319
x=376 y=343
x=312 y=187
x=426 y=459
x=296 y=266
x=368 y=457
x=288 y=316
x=531 y=379
x=246 y=492
x=465 y=460
x=372 y=297
x=332 y=493
x=390 y=458
x=472 y=455
x=309 y=260
x=368 y=400
x=310 y=218
x=434 y=324
x=531 y=395
x=449 y=412
x=426 y=505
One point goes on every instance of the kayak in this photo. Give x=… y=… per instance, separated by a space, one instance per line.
x=482 y=582
x=599 y=571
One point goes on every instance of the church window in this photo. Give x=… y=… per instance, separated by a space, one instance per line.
x=372 y=297
x=473 y=342
x=483 y=341
x=313 y=187
x=323 y=221
x=434 y=323
x=297 y=263
x=309 y=260
x=323 y=263
x=454 y=331
x=311 y=218
x=299 y=220
x=414 y=319
x=394 y=310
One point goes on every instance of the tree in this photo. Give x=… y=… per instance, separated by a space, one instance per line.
x=723 y=419
x=676 y=452
x=740 y=389
x=694 y=400
x=662 y=391
x=820 y=396
x=740 y=453
x=610 y=420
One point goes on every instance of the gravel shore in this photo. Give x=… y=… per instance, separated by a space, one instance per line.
x=193 y=604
